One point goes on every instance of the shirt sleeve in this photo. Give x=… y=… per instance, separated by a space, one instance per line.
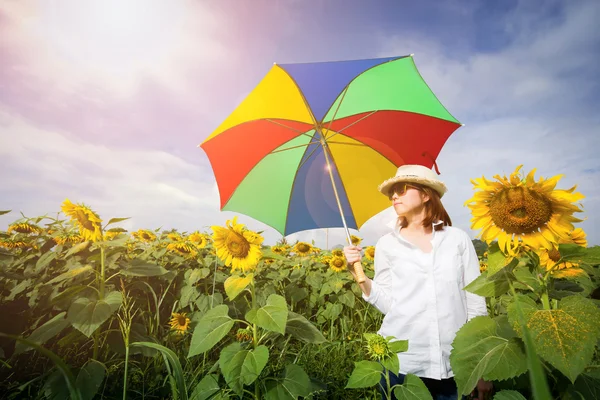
x=475 y=304
x=381 y=284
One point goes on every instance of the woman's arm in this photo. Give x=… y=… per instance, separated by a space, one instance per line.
x=375 y=291
x=475 y=304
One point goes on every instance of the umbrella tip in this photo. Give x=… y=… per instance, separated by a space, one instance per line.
x=462 y=124
x=412 y=54
x=274 y=63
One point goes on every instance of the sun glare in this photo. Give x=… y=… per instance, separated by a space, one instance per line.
x=112 y=37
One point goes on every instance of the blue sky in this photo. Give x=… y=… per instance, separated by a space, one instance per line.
x=105 y=104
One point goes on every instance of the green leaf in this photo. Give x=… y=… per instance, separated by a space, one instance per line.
x=72 y=273
x=391 y=363
x=497 y=260
x=90 y=379
x=347 y=298
x=44 y=260
x=587 y=386
x=398 y=346
x=526 y=280
x=294 y=384
x=268 y=253
x=565 y=337
x=5 y=212
x=273 y=316
x=211 y=328
x=479 y=352
x=87 y=315
x=208 y=386
x=365 y=374
x=537 y=378
x=413 y=388
x=142 y=268
x=244 y=367
x=303 y=329
x=494 y=285
x=235 y=284
x=509 y=395
x=44 y=333
x=179 y=390
x=332 y=311
x=77 y=248
x=115 y=220
x=194 y=275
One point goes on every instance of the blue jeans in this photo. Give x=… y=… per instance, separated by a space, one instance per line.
x=444 y=389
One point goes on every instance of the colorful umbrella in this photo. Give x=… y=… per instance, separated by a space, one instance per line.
x=309 y=145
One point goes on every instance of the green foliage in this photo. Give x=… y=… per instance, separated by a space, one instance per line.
x=479 y=351
x=412 y=388
x=365 y=374
x=86 y=314
x=210 y=329
x=566 y=336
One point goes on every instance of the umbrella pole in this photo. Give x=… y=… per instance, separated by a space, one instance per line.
x=360 y=274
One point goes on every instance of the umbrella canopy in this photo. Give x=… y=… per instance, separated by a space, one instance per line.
x=315 y=139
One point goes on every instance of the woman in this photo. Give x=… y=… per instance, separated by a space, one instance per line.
x=421 y=268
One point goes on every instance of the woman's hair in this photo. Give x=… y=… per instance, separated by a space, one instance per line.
x=434 y=210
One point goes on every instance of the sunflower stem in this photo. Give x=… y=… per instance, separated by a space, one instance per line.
x=545 y=299
x=102 y=272
x=254 y=336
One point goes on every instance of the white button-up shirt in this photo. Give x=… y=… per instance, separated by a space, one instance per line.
x=422 y=297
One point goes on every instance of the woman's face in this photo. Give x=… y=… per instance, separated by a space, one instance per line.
x=406 y=198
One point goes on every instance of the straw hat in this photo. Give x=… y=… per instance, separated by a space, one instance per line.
x=415 y=174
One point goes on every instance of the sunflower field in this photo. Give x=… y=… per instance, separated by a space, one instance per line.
x=92 y=311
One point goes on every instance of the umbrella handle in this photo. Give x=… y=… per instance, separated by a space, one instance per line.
x=360 y=274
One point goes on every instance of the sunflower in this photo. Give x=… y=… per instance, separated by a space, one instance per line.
x=174 y=236
x=236 y=246
x=87 y=220
x=199 y=239
x=179 y=323
x=482 y=266
x=302 y=248
x=13 y=243
x=378 y=347
x=244 y=335
x=523 y=212
x=337 y=264
x=355 y=240
x=280 y=249
x=370 y=253
x=578 y=237
x=144 y=235
x=325 y=259
x=68 y=237
x=337 y=253
x=182 y=248
x=113 y=232
x=24 y=227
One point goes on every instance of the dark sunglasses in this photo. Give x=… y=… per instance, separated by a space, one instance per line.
x=400 y=189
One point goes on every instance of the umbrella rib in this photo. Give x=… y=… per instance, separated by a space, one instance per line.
x=306 y=159
x=355 y=122
x=350 y=144
x=294 y=147
x=287 y=127
x=337 y=108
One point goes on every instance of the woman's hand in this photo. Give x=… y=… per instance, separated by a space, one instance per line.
x=352 y=254
x=485 y=390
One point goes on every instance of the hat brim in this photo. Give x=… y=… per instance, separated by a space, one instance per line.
x=438 y=186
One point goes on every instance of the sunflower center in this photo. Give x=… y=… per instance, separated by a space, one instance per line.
x=303 y=247
x=520 y=210
x=338 y=262
x=181 y=320
x=237 y=245
x=82 y=218
x=554 y=255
